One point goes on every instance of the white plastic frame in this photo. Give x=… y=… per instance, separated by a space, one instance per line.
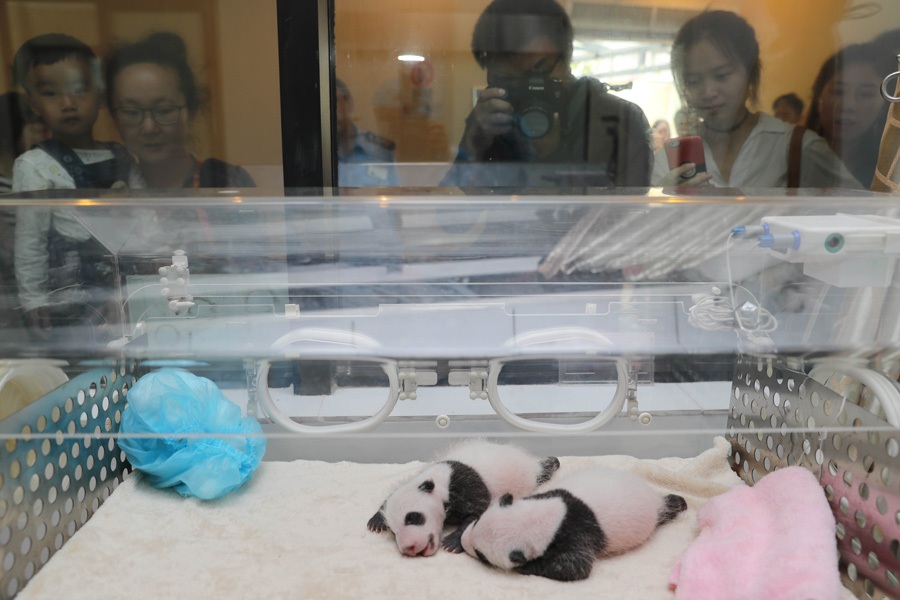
x=539 y=338
x=328 y=336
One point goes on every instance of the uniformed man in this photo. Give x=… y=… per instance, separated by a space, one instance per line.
x=365 y=159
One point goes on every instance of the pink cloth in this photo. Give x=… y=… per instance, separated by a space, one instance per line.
x=775 y=540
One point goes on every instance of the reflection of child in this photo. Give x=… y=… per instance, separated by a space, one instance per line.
x=61 y=78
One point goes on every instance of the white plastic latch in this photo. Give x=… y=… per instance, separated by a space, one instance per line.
x=175 y=280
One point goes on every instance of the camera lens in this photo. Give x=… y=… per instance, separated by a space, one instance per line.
x=535 y=123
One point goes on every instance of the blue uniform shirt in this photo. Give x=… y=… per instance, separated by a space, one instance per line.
x=370 y=163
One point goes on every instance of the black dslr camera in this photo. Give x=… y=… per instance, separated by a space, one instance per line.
x=534 y=100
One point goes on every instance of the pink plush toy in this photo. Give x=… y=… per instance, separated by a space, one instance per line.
x=773 y=541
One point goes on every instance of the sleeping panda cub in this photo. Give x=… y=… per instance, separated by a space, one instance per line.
x=457 y=489
x=557 y=532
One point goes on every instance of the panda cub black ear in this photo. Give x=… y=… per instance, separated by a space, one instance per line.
x=427 y=486
x=506 y=500
x=517 y=557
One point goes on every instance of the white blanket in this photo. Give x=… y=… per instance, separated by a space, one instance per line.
x=298 y=530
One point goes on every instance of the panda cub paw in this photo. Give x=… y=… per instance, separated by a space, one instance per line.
x=453 y=542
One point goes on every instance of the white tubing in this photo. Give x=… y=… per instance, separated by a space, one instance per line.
x=328 y=336
x=882 y=388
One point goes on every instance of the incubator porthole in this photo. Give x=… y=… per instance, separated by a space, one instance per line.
x=41 y=531
x=68 y=506
x=45 y=555
x=779 y=450
x=737 y=393
x=22 y=521
x=839 y=529
x=754 y=475
x=80 y=397
x=25 y=546
x=9 y=560
x=860 y=519
x=811 y=423
x=881 y=504
x=744 y=399
x=52 y=494
x=852 y=452
x=873 y=561
x=90 y=462
x=895 y=548
x=45 y=447
x=844 y=505
x=767 y=464
x=76 y=450
x=829 y=494
x=58 y=541
x=38 y=507
x=774 y=422
x=790 y=384
x=12 y=587
x=766 y=392
x=72 y=527
x=18 y=495
x=15 y=469
x=5 y=535
x=55 y=414
x=11 y=445
x=836 y=441
x=35 y=482
x=4 y=506
x=80 y=495
x=856 y=545
x=83 y=420
x=807 y=447
x=95 y=411
x=828 y=407
x=78 y=472
x=877 y=534
x=115 y=396
x=92 y=390
x=41 y=423
x=820 y=456
x=55 y=517
x=756 y=385
x=770 y=442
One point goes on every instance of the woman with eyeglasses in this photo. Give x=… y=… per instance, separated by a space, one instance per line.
x=717 y=69
x=153 y=97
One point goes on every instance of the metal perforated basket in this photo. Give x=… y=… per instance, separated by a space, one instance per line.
x=57 y=465
x=854 y=453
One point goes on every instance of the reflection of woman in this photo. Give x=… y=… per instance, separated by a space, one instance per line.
x=153 y=98
x=716 y=64
x=847 y=108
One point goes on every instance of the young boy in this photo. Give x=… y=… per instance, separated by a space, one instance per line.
x=62 y=83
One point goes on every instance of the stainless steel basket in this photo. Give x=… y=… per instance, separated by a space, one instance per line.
x=58 y=463
x=854 y=453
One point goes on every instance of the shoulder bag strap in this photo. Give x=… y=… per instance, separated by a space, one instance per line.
x=796 y=147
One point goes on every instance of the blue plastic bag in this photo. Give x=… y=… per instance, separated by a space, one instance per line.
x=174 y=401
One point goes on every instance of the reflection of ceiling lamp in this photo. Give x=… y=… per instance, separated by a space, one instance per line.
x=411 y=58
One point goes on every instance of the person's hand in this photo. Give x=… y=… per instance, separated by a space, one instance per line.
x=674 y=177
x=491 y=117
x=38 y=322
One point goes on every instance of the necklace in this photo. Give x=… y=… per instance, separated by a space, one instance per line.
x=733 y=128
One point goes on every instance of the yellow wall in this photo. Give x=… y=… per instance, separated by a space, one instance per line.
x=233 y=49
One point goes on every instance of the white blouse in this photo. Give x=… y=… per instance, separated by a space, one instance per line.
x=762 y=161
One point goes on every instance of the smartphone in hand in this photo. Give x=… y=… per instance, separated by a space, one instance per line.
x=686 y=150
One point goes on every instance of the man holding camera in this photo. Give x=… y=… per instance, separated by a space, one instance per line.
x=570 y=131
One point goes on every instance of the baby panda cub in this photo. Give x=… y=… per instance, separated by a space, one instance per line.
x=557 y=532
x=458 y=488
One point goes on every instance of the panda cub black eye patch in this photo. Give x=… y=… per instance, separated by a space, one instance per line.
x=427 y=486
x=415 y=518
x=482 y=558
